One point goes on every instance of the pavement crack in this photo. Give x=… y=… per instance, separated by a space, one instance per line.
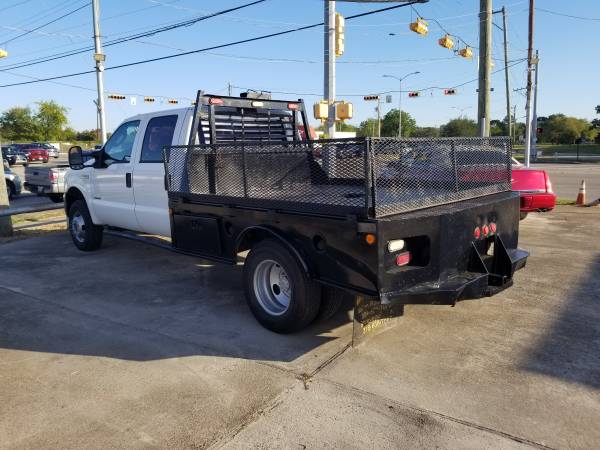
x=464 y=422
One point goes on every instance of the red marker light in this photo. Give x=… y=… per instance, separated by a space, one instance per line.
x=477 y=233
x=403 y=259
x=215 y=101
x=493 y=227
x=292 y=105
x=486 y=230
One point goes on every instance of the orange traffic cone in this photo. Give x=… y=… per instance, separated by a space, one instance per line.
x=581 y=195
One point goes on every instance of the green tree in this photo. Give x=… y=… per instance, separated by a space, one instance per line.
x=86 y=135
x=367 y=128
x=18 y=124
x=562 y=129
x=389 y=124
x=498 y=128
x=426 y=132
x=51 y=118
x=461 y=127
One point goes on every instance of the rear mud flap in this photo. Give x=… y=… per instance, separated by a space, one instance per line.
x=372 y=317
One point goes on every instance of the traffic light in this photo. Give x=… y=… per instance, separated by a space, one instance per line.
x=466 y=52
x=339 y=34
x=449 y=91
x=371 y=97
x=539 y=130
x=344 y=110
x=149 y=99
x=172 y=101
x=420 y=27
x=3 y=53
x=116 y=97
x=414 y=94
x=321 y=110
x=446 y=42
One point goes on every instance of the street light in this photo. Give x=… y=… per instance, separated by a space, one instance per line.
x=400 y=97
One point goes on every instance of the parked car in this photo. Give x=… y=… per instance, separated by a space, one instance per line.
x=52 y=150
x=37 y=155
x=311 y=234
x=534 y=187
x=13 y=155
x=13 y=183
x=49 y=181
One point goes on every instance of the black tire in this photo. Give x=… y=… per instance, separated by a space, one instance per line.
x=332 y=300
x=87 y=236
x=522 y=215
x=56 y=198
x=304 y=294
x=45 y=161
x=11 y=190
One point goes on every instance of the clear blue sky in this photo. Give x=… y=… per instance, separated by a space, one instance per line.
x=569 y=67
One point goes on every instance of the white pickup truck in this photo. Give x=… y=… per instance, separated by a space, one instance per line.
x=126 y=189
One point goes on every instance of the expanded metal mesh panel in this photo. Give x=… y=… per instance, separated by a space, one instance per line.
x=419 y=173
x=371 y=177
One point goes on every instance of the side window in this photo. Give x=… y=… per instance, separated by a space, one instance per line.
x=159 y=133
x=119 y=146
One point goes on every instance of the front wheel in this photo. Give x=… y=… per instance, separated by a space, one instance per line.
x=522 y=215
x=86 y=236
x=279 y=292
x=11 y=190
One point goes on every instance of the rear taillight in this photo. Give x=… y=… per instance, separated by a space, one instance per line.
x=403 y=259
x=493 y=227
x=486 y=230
x=477 y=233
x=53 y=176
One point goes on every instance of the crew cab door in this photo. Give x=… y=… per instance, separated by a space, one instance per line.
x=113 y=199
x=151 y=201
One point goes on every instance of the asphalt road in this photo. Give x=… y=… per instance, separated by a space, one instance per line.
x=566 y=179
x=27 y=198
x=136 y=347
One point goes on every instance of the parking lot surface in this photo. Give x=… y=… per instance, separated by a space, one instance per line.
x=137 y=347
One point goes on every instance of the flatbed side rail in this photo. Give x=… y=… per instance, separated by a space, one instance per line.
x=364 y=176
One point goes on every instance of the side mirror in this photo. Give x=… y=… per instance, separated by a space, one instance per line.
x=76 y=158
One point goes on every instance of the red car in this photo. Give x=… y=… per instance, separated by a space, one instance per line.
x=535 y=189
x=37 y=154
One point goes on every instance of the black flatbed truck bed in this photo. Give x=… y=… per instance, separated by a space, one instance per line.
x=364 y=216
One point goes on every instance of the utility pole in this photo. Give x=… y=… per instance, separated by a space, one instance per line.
x=534 y=118
x=229 y=89
x=99 y=57
x=485 y=63
x=529 y=69
x=506 y=78
x=379 y=116
x=514 y=137
x=329 y=62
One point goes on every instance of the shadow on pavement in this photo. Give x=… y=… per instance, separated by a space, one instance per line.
x=137 y=302
x=571 y=348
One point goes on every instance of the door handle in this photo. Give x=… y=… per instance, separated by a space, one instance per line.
x=128 y=179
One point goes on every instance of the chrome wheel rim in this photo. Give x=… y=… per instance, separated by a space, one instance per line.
x=272 y=287
x=78 y=227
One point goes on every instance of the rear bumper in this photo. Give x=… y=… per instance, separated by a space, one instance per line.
x=484 y=279
x=531 y=202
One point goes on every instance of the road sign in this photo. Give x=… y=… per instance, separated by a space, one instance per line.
x=388 y=99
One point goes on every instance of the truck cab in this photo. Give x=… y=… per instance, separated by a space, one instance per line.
x=122 y=184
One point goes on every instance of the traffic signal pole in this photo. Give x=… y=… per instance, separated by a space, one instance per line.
x=485 y=63
x=329 y=64
x=99 y=57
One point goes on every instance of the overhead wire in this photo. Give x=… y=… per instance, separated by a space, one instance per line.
x=214 y=47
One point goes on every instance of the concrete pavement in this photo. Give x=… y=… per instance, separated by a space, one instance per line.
x=137 y=347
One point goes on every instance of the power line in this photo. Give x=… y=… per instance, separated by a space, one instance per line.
x=214 y=47
x=14 y=5
x=45 y=24
x=567 y=15
x=152 y=32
